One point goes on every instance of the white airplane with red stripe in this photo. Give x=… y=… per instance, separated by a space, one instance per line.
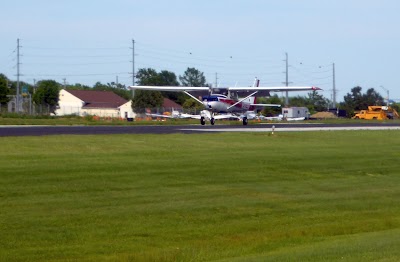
x=216 y=104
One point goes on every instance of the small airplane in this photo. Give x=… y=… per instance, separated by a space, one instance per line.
x=175 y=114
x=229 y=103
x=281 y=117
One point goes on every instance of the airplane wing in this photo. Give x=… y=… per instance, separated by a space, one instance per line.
x=195 y=116
x=275 y=88
x=172 y=88
x=180 y=116
x=159 y=115
x=247 y=88
x=225 y=116
x=216 y=117
x=264 y=105
x=295 y=118
x=276 y=118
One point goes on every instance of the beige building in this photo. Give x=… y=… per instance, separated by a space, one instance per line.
x=96 y=103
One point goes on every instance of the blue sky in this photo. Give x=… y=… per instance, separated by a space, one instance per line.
x=89 y=41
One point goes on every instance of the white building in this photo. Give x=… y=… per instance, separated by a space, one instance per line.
x=97 y=103
x=295 y=112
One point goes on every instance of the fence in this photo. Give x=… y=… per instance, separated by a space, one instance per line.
x=28 y=108
x=101 y=112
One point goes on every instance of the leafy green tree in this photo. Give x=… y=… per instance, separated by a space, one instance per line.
x=147 y=99
x=148 y=77
x=371 y=97
x=168 y=78
x=4 y=90
x=316 y=102
x=298 y=101
x=356 y=100
x=47 y=94
x=190 y=103
x=271 y=110
x=352 y=101
x=193 y=77
x=313 y=101
x=396 y=106
x=119 y=89
x=78 y=86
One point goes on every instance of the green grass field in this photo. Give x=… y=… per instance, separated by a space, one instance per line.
x=90 y=120
x=298 y=196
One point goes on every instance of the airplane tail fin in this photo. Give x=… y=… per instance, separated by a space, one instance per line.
x=252 y=99
x=256 y=82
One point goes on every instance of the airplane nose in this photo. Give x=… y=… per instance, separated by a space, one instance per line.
x=207 y=105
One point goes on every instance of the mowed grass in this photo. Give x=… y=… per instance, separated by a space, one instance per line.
x=298 y=196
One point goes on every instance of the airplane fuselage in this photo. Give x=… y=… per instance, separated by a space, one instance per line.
x=223 y=104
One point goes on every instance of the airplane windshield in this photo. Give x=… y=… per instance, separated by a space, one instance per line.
x=234 y=95
x=212 y=98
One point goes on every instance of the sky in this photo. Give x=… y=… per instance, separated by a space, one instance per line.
x=230 y=41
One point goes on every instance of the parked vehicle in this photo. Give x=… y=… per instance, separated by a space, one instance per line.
x=378 y=113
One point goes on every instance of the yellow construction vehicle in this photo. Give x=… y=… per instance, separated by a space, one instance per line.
x=378 y=113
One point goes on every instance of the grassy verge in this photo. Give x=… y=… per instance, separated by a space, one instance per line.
x=15 y=119
x=53 y=121
x=245 y=197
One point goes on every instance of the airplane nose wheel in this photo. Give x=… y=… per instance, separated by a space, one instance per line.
x=202 y=121
x=245 y=121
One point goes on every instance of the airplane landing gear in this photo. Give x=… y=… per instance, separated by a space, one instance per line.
x=202 y=121
x=212 y=121
x=245 y=121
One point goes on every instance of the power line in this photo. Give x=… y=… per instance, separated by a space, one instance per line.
x=77 y=64
x=227 y=66
x=74 y=56
x=94 y=74
x=75 y=48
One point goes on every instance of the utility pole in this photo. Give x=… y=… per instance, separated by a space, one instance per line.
x=287 y=79
x=133 y=61
x=65 y=82
x=133 y=66
x=387 y=91
x=334 y=85
x=18 y=74
x=216 y=80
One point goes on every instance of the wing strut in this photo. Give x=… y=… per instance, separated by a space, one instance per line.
x=192 y=96
x=241 y=100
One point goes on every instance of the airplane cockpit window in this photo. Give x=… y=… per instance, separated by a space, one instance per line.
x=210 y=98
x=234 y=95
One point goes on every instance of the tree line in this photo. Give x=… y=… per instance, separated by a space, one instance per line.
x=45 y=92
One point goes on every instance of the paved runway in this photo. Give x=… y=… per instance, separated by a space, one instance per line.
x=186 y=129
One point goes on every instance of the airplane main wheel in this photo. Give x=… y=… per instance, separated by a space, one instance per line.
x=245 y=121
x=212 y=121
x=202 y=121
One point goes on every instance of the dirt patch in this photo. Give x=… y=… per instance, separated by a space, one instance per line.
x=323 y=115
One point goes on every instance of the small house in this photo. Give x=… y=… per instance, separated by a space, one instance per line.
x=89 y=102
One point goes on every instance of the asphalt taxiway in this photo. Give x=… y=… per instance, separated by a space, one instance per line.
x=186 y=129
